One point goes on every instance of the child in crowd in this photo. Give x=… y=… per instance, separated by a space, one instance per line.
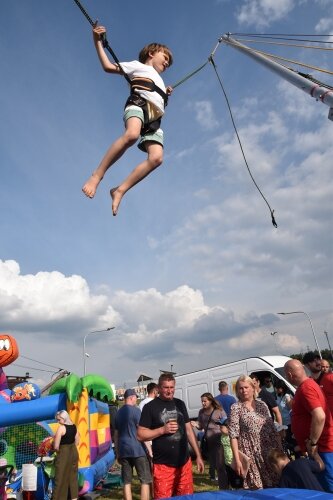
x=235 y=481
x=299 y=473
x=142 y=115
x=5 y=472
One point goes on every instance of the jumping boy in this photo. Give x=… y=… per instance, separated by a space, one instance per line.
x=142 y=115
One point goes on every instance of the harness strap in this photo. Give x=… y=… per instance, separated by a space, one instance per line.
x=147 y=126
x=142 y=83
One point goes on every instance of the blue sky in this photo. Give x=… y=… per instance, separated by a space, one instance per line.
x=191 y=268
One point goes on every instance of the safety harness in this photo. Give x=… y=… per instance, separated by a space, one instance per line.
x=139 y=83
x=142 y=83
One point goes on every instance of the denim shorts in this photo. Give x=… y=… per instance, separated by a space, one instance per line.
x=156 y=136
x=141 y=466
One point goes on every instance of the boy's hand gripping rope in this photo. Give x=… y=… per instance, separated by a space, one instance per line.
x=103 y=38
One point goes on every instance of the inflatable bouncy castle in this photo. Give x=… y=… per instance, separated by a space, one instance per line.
x=27 y=425
x=8 y=354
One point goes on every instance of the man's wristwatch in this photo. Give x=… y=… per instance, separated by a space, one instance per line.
x=311 y=443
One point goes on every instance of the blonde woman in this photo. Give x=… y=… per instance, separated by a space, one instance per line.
x=65 y=444
x=252 y=432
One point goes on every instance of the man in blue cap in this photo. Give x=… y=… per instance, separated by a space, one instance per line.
x=131 y=452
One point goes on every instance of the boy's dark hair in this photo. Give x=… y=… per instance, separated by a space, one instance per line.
x=275 y=455
x=151 y=386
x=152 y=48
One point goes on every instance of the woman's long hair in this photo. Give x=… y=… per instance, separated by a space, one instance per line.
x=64 y=415
x=212 y=400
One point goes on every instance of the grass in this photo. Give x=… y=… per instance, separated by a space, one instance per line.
x=201 y=483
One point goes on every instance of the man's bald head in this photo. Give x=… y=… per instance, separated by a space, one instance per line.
x=295 y=372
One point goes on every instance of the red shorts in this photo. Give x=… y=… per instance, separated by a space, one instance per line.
x=172 y=481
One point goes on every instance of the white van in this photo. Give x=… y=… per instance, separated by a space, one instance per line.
x=190 y=386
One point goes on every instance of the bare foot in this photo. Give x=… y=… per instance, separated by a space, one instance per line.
x=116 y=196
x=91 y=185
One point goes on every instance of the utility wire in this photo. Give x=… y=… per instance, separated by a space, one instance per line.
x=32 y=368
x=41 y=362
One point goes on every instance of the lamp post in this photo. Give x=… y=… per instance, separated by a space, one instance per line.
x=85 y=354
x=313 y=332
x=329 y=345
x=273 y=335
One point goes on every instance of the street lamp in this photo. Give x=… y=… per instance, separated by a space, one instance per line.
x=329 y=345
x=85 y=354
x=273 y=335
x=313 y=332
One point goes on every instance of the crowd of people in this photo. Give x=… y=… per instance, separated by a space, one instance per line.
x=266 y=438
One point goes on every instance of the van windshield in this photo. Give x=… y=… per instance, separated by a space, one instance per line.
x=281 y=371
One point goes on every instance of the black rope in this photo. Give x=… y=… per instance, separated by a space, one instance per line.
x=239 y=141
x=103 y=39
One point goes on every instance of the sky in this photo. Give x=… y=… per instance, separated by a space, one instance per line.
x=191 y=272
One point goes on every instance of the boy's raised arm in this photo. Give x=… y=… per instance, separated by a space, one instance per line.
x=107 y=65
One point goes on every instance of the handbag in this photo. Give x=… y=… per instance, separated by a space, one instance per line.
x=245 y=461
x=204 y=443
x=204 y=448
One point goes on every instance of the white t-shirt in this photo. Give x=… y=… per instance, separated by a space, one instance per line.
x=136 y=68
x=144 y=402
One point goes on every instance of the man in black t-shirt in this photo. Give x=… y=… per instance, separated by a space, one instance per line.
x=166 y=423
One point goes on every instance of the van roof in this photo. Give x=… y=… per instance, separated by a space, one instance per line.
x=274 y=361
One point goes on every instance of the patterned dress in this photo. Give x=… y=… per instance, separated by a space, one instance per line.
x=256 y=436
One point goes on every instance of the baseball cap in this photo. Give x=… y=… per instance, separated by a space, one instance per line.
x=129 y=393
x=309 y=357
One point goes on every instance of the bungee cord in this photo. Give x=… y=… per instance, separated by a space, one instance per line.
x=314 y=47
x=104 y=39
x=240 y=142
x=282 y=36
x=298 y=63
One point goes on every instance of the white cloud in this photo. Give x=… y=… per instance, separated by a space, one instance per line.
x=205 y=114
x=160 y=311
x=324 y=25
x=50 y=313
x=262 y=13
x=49 y=299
